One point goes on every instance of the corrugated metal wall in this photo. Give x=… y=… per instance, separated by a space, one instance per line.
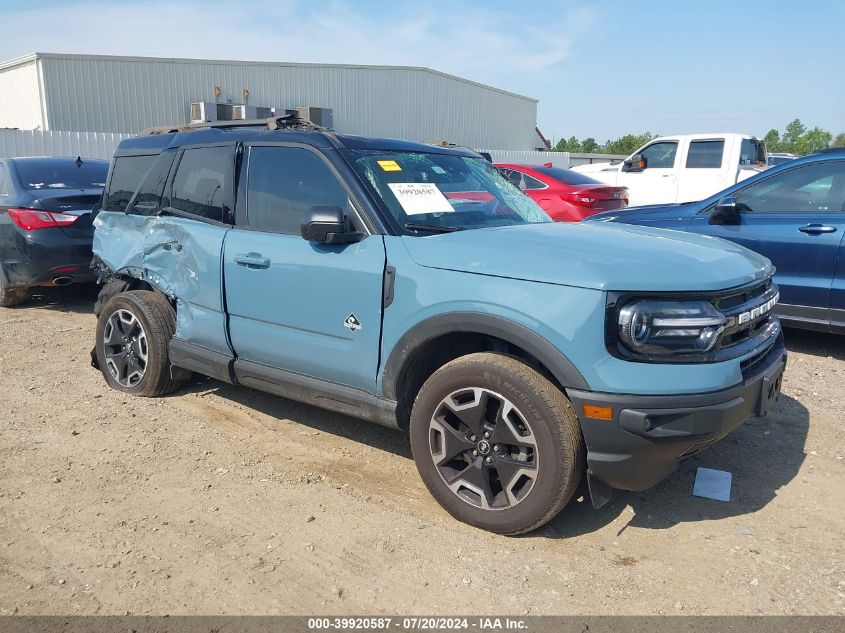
x=93 y=93
x=20 y=97
x=15 y=143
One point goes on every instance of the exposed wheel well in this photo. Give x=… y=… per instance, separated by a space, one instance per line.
x=433 y=354
x=116 y=286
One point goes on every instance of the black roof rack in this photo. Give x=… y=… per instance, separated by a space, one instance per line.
x=288 y=122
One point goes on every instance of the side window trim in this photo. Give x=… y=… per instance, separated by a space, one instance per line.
x=354 y=205
x=4 y=181
x=229 y=196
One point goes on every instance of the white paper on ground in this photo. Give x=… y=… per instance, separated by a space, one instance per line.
x=712 y=484
x=418 y=198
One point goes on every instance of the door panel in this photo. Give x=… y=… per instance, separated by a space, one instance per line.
x=704 y=170
x=658 y=182
x=289 y=301
x=182 y=258
x=295 y=305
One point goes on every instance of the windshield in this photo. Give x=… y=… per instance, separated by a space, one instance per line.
x=62 y=174
x=752 y=152
x=443 y=192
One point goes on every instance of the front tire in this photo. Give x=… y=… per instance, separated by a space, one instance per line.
x=496 y=443
x=133 y=331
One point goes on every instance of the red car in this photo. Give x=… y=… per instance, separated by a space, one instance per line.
x=565 y=195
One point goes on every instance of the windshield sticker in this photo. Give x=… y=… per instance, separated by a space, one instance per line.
x=419 y=198
x=389 y=165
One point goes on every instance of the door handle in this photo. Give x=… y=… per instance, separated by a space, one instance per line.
x=816 y=229
x=252 y=260
x=172 y=245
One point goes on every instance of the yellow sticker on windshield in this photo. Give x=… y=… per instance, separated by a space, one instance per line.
x=389 y=165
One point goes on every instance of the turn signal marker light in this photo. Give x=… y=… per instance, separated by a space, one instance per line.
x=597 y=412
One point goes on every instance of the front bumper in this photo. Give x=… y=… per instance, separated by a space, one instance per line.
x=649 y=435
x=38 y=258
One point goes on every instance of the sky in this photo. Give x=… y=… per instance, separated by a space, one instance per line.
x=599 y=69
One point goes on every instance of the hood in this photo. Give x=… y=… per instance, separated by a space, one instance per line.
x=603 y=256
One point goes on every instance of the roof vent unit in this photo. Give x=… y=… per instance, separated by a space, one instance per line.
x=208 y=111
x=324 y=117
x=248 y=112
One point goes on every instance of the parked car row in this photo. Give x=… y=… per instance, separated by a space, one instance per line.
x=423 y=288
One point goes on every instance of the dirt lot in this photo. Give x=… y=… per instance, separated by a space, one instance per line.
x=223 y=500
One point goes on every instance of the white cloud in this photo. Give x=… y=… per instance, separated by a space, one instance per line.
x=471 y=39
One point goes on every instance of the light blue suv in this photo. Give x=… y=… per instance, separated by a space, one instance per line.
x=416 y=287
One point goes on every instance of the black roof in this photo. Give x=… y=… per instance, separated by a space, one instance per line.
x=324 y=139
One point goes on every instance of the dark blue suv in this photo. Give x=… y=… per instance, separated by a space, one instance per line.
x=794 y=214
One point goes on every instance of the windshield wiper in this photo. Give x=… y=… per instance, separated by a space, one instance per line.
x=431 y=227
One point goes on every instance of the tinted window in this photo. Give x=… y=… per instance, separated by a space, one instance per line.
x=148 y=199
x=567 y=176
x=199 y=187
x=818 y=188
x=705 y=154
x=660 y=155
x=126 y=176
x=284 y=183
x=62 y=173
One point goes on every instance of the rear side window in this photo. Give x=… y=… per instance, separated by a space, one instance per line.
x=705 y=154
x=284 y=183
x=199 y=187
x=147 y=200
x=126 y=176
x=567 y=176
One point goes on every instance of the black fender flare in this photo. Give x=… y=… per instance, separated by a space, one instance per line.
x=479 y=323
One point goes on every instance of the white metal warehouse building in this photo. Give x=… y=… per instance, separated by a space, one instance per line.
x=93 y=93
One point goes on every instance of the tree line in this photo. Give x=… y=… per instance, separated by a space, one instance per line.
x=795 y=139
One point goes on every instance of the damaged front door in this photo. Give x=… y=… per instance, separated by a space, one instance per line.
x=183 y=246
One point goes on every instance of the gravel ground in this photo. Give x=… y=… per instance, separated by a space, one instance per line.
x=221 y=500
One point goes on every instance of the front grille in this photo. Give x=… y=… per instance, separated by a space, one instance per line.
x=754 y=332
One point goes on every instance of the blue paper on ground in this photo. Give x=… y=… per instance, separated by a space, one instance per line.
x=712 y=484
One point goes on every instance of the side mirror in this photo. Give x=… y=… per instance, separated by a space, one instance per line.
x=637 y=162
x=329 y=226
x=725 y=212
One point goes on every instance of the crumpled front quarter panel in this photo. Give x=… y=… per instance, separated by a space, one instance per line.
x=119 y=241
x=180 y=257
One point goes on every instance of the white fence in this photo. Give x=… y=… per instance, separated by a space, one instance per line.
x=17 y=143
x=558 y=159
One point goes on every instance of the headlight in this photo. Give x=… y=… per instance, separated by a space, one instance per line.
x=655 y=328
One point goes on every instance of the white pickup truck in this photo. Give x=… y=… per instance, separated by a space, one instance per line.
x=683 y=168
